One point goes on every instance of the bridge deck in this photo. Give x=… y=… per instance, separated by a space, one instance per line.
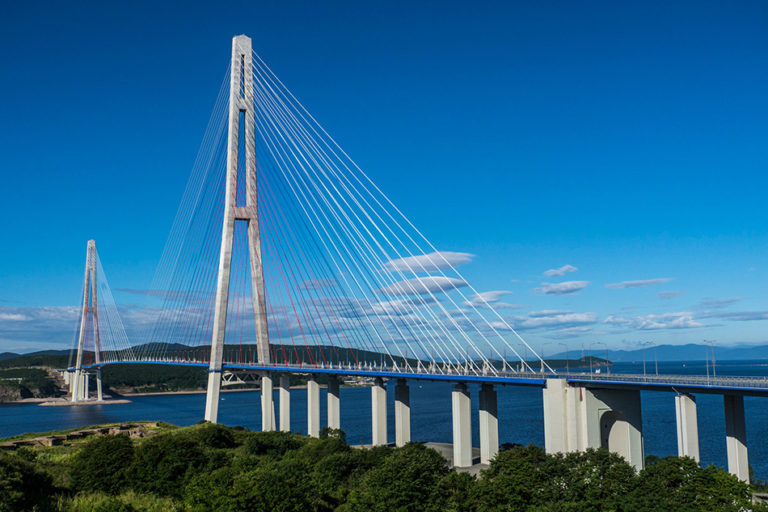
x=754 y=386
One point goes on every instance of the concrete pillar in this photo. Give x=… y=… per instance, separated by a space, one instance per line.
x=334 y=402
x=462 y=426
x=313 y=407
x=267 y=403
x=402 y=413
x=577 y=418
x=99 y=394
x=285 y=403
x=489 y=424
x=86 y=383
x=736 y=437
x=74 y=386
x=379 y=412
x=555 y=416
x=687 y=426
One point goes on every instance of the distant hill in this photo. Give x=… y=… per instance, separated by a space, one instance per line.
x=7 y=355
x=689 y=352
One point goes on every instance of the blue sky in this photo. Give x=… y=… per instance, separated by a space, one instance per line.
x=626 y=140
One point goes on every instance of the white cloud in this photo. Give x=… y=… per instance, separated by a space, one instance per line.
x=438 y=260
x=483 y=299
x=423 y=285
x=557 y=272
x=14 y=317
x=564 y=288
x=548 y=312
x=557 y=319
x=681 y=320
x=640 y=283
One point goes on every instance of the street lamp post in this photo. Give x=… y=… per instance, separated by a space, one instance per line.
x=542 y=354
x=591 y=356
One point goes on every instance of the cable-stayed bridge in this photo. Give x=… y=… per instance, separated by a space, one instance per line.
x=285 y=257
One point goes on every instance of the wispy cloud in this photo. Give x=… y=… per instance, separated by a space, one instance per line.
x=681 y=320
x=423 y=285
x=670 y=294
x=553 y=319
x=710 y=303
x=564 y=288
x=737 y=316
x=640 y=283
x=568 y=333
x=557 y=272
x=484 y=299
x=424 y=263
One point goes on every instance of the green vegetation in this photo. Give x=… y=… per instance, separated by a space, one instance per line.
x=16 y=383
x=215 y=468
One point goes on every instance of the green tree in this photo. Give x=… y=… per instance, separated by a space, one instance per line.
x=102 y=464
x=679 y=483
x=404 y=481
x=22 y=486
x=163 y=464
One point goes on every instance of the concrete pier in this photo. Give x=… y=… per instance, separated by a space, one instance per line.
x=736 y=436
x=334 y=403
x=99 y=394
x=313 y=408
x=402 y=413
x=489 y=424
x=687 y=426
x=379 y=412
x=577 y=418
x=267 y=403
x=462 y=426
x=285 y=402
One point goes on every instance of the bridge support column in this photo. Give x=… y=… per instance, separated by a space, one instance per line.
x=489 y=424
x=99 y=394
x=577 y=418
x=74 y=386
x=285 y=402
x=462 y=426
x=267 y=403
x=402 y=413
x=313 y=407
x=86 y=384
x=687 y=426
x=736 y=437
x=379 y=412
x=334 y=402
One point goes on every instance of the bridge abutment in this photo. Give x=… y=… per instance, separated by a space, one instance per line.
x=402 y=413
x=687 y=426
x=736 y=436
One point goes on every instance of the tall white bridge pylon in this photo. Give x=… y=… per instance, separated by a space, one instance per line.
x=100 y=335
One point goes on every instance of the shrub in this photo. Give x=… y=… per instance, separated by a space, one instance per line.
x=102 y=464
x=22 y=486
x=163 y=464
